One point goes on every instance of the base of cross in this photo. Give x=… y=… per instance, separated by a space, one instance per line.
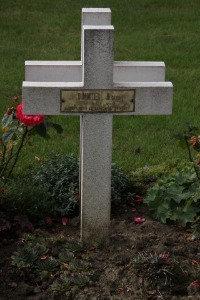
x=96 y=237
x=96 y=88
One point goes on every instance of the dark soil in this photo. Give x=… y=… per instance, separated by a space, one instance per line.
x=143 y=261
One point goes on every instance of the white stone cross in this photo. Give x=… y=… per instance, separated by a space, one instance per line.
x=44 y=92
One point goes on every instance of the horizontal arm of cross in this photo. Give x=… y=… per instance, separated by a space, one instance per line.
x=71 y=71
x=151 y=98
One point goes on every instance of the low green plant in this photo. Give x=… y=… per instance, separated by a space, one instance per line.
x=73 y=247
x=120 y=185
x=66 y=283
x=52 y=189
x=160 y=269
x=157 y=266
x=175 y=196
x=53 y=262
x=24 y=257
x=61 y=285
x=143 y=178
x=59 y=175
x=30 y=251
x=49 y=265
x=23 y=197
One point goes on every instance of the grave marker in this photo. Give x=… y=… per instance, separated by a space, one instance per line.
x=96 y=88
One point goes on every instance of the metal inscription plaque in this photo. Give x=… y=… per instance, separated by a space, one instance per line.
x=97 y=101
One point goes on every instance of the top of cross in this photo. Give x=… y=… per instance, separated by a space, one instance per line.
x=45 y=81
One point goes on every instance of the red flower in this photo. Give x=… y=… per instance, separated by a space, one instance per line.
x=65 y=220
x=28 y=120
x=138 y=199
x=196 y=283
x=77 y=196
x=138 y=220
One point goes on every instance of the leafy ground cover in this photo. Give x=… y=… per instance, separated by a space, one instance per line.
x=158 y=262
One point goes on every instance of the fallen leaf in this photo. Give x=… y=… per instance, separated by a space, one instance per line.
x=43 y=257
x=67 y=267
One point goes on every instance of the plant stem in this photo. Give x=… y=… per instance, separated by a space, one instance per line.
x=4 y=163
x=17 y=153
x=191 y=159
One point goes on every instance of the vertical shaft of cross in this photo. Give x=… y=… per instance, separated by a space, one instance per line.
x=96 y=137
x=91 y=17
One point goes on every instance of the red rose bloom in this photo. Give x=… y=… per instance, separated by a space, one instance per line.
x=28 y=120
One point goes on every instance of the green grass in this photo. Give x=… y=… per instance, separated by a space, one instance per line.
x=151 y=30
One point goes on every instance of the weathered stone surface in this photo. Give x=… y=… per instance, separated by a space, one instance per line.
x=71 y=71
x=96 y=137
x=96 y=70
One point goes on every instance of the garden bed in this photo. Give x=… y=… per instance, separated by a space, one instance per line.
x=143 y=261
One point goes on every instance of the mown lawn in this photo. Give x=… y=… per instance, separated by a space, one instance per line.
x=145 y=30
